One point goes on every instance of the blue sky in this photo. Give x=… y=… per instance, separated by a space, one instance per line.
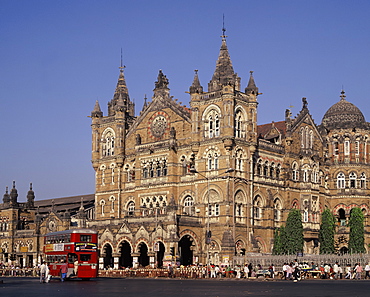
x=58 y=57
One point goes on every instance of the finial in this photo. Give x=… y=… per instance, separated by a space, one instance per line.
x=121 y=67
x=30 y=186
x=13 y=184
x=342 y=96
x=223 y=26
x=196 y=71
x=251 y=72
x=6 y=190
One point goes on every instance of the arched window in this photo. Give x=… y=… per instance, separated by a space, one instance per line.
x=212 y=161
x=305 y=216
x=363 y=180
x=102 y=168
x=112 y=173
x=259 y=167
x=238 y=209
x=277 y=210
x=305 y=174
x=164 y=168
x=151 y=169
x=295 y=172
x=112 y=199
x=277 y=172
x=217 y=126
x=239 y=124
x=145 y=172
x=342 y=217
x=266 y=169
x=272 y=170
x=131 y=208
x=239 y=161
x=108 y=144
x=158 y=169
x=209 y=161
x=341 y=181
x=352 y=180
x=213 y=124
x=102 y=204
x=257 y=205
x=188 y=205
x=335 y=148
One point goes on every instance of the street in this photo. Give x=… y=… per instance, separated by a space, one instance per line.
x=179 y=287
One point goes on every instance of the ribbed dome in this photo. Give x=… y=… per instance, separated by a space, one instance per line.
x=343 y=114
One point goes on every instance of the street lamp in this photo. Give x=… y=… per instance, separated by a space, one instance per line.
x=208 y=231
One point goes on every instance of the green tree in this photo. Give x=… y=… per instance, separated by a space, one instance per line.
x=277 y=243
x=356 y=232
x=327 y=231
x=294 y=232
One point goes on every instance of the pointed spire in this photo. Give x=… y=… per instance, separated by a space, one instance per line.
x=196 y=86
x=96 y=113
x=251 y=88
x=224 y=73
x=121 y=90
x=145 y=105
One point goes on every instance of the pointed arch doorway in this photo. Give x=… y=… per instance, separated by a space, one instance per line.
x=143 y=258
x=186 y=250
x=125 y=259
x=108 y=258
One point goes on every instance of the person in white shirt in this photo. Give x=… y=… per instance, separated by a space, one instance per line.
x=367 y=271
x=43 y=268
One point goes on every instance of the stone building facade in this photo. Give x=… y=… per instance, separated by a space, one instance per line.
x=204 y=183
x=23 y=224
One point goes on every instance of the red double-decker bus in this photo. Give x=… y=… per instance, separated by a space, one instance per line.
x=77 y=247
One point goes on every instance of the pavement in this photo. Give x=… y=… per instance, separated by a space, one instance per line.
x=19 y=287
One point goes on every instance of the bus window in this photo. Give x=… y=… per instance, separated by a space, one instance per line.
x=85 y=257
x=72 y=258
x=85 y=238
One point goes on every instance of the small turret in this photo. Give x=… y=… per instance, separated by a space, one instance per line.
x=251 y=88
x=96 y=113
x=14 y=195
x=6 y=198
x=31 y=198
x=196 y=86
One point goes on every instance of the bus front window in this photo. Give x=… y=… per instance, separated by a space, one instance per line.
x=85 y=257
x=72 y=258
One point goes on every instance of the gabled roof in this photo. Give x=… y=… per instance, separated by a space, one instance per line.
x=271 y=130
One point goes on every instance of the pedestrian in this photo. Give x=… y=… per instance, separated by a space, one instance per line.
x=358 y=270
x=47 y=273
x=367 y=270
x=75 y=267
x=246 y=271
x=63 y=270
x=272 y=271
x=42 y=272
x=170 y=270
x=340 y=271
x=336 y=270
x=348 y=271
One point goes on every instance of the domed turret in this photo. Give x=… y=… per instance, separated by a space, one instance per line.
x=343 y=114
